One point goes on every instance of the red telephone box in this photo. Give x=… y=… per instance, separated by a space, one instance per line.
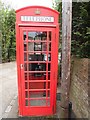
x=37 y=32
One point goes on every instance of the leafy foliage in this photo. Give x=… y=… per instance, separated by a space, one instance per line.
x=7 y=23
x=57 y=5
x=80 y=27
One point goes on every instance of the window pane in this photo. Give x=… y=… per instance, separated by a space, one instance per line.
x=30 y=46
x=37 y=35
x=37 y=102
x=37 y=67
x=25 y=76
x=49 y=35
x=25 y=56
x=24 y=36
x=25 y=67
x=35 y=57
x=37 y=85
x=38 y=46
x=26 y=103
x=25 y=47
x=49 y=46
x=47 y=57
x=41 y=76
x=26 y=85
x=39 y=94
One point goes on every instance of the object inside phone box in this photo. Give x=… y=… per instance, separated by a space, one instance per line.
x=38 y=66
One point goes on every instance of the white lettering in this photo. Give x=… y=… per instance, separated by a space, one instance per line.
x=37 y=19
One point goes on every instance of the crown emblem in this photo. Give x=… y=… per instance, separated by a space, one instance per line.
x=37 y=11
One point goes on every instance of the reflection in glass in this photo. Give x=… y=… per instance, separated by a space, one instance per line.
x=37 y=66
x=32 y=76
x=25 y=47
x=38 y=47
x=36 y=94
x=35 y=57
x=25 y=67
x=25 y=76
x=47 y=57
x=24 y=36
x=48 y=102
x=49 y=46
x=26 y=103
x=39 y=57
x=26 y=94
x=37 y=85
x=49 y=75
x=49 y=35
x=37 y=102
x=26 y=85
x=37 y=35
x=49 y=66
x=30 y=46
x=48 y=93
x=25 y=56
x=44 y=46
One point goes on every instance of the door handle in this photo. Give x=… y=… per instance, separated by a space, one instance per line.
x=21 y=66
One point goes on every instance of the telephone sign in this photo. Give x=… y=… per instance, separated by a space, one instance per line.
x=37 y=19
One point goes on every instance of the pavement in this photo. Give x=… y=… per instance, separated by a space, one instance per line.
x=8 y=85
x=9 y=93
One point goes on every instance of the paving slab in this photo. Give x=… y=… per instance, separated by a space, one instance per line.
x=8 y=84
x=13 y=113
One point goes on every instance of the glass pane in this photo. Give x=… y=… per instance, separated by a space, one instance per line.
x=49 y=75
x=49 y=66
x=35 y=57
x=24 y=35
x=26 y=85
x=37 y=85
x=25 y=76
x=37 y=76
x=25 y=56
x=37 y=66
x=49 y=46
x=47 y=57
x=39 y=94
x=37 y=102
x=25 y=47
x=26 y=94
x=37 y=35
x=48 y=84
x=48 y=102
x=49 y=35
x=48 y=93
x=38 y=46
x=26 y=103
x=25 y=67
x=44 y=46
x=30 y=46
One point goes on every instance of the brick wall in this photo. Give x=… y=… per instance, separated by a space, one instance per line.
x=79 y=88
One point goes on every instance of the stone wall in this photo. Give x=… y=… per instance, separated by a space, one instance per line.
x=79 y=88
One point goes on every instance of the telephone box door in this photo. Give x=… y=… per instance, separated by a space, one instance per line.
x=37 y=66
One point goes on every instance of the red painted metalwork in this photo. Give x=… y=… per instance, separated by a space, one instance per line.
x=37 y=60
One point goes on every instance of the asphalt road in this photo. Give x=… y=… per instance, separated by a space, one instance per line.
x=8 y=85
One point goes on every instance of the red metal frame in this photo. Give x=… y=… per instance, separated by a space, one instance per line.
x=28 y=27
